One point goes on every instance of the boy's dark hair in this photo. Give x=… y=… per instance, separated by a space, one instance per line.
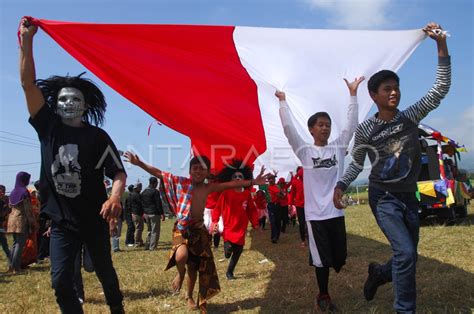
x=94 y=99
x=153 y=181
x=314 y=118
x=380 y=77
x=236 y=165
x=131 y=187
x=2 y=187
x=37 y=185
x=202 y=160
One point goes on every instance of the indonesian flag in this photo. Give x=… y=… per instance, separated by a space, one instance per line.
x=216 y=84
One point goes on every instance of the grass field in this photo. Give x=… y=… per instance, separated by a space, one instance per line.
x=274 y=278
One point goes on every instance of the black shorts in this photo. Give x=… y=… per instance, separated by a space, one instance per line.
x=327 y=243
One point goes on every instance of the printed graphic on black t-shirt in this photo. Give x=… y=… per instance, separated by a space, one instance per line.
x=324 y=163
x=388 y=131
x=398 y=165
x=66 y=171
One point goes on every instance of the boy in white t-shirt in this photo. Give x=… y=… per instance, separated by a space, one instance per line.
x=323 y=164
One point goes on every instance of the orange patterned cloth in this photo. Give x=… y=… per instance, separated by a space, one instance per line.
x=200 y=258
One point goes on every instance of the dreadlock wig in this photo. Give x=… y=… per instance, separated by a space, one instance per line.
x=235 y=166
x=94 y=99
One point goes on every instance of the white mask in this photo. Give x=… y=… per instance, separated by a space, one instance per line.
x=71 y=104
x=237 y=176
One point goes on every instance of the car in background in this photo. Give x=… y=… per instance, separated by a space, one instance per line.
x=444 y=190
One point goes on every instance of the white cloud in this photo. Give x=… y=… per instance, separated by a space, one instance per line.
x=354 y=14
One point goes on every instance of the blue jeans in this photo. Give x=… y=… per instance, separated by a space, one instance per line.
x=19 y=240
x=82 y=259
x=64 y=247
x=397 y=217
x=274 y=214
x=116 y=238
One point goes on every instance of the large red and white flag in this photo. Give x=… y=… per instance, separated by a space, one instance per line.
x=216 y=84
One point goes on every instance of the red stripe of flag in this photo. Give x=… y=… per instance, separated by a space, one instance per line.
x=190 y=78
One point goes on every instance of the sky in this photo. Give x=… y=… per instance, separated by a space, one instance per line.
x=128 y=125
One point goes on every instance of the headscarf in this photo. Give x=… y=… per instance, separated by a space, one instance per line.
x=19 y=193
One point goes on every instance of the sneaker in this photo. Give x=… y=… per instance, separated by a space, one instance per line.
x=130 y=245
x=324 y=303
x=230 y=276
x=274 y=241
x=373 y=282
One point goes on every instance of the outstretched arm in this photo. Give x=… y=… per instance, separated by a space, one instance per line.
x=441 y=86
x=260 y=179
x=352 y=112
x=355 y=167
x=135 y=160
x=295 y=140
x=34 y=97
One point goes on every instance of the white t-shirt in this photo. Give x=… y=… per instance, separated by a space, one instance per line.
x=322 y=165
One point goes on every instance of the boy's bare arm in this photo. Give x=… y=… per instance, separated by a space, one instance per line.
x=34 y=97
x=260 y=179
x=135 y=160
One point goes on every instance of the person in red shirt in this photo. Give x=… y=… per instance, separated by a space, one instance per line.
x=283 y=203
x=297 y=199
x=237 y=208
x=274 y=209
x=261 y=203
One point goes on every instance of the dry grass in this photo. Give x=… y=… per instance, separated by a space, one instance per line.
x=283 y=284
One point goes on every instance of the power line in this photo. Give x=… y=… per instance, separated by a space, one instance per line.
x=11 y=142
x=19 y=143
x=27 y=163
x=29 y=138
x=17 y=140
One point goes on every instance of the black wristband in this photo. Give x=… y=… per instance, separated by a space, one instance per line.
x=341 y=185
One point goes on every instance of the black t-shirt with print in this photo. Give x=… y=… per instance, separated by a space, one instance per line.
x=73 y=164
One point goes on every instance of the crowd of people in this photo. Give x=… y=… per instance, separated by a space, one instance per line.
x=81 y=213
